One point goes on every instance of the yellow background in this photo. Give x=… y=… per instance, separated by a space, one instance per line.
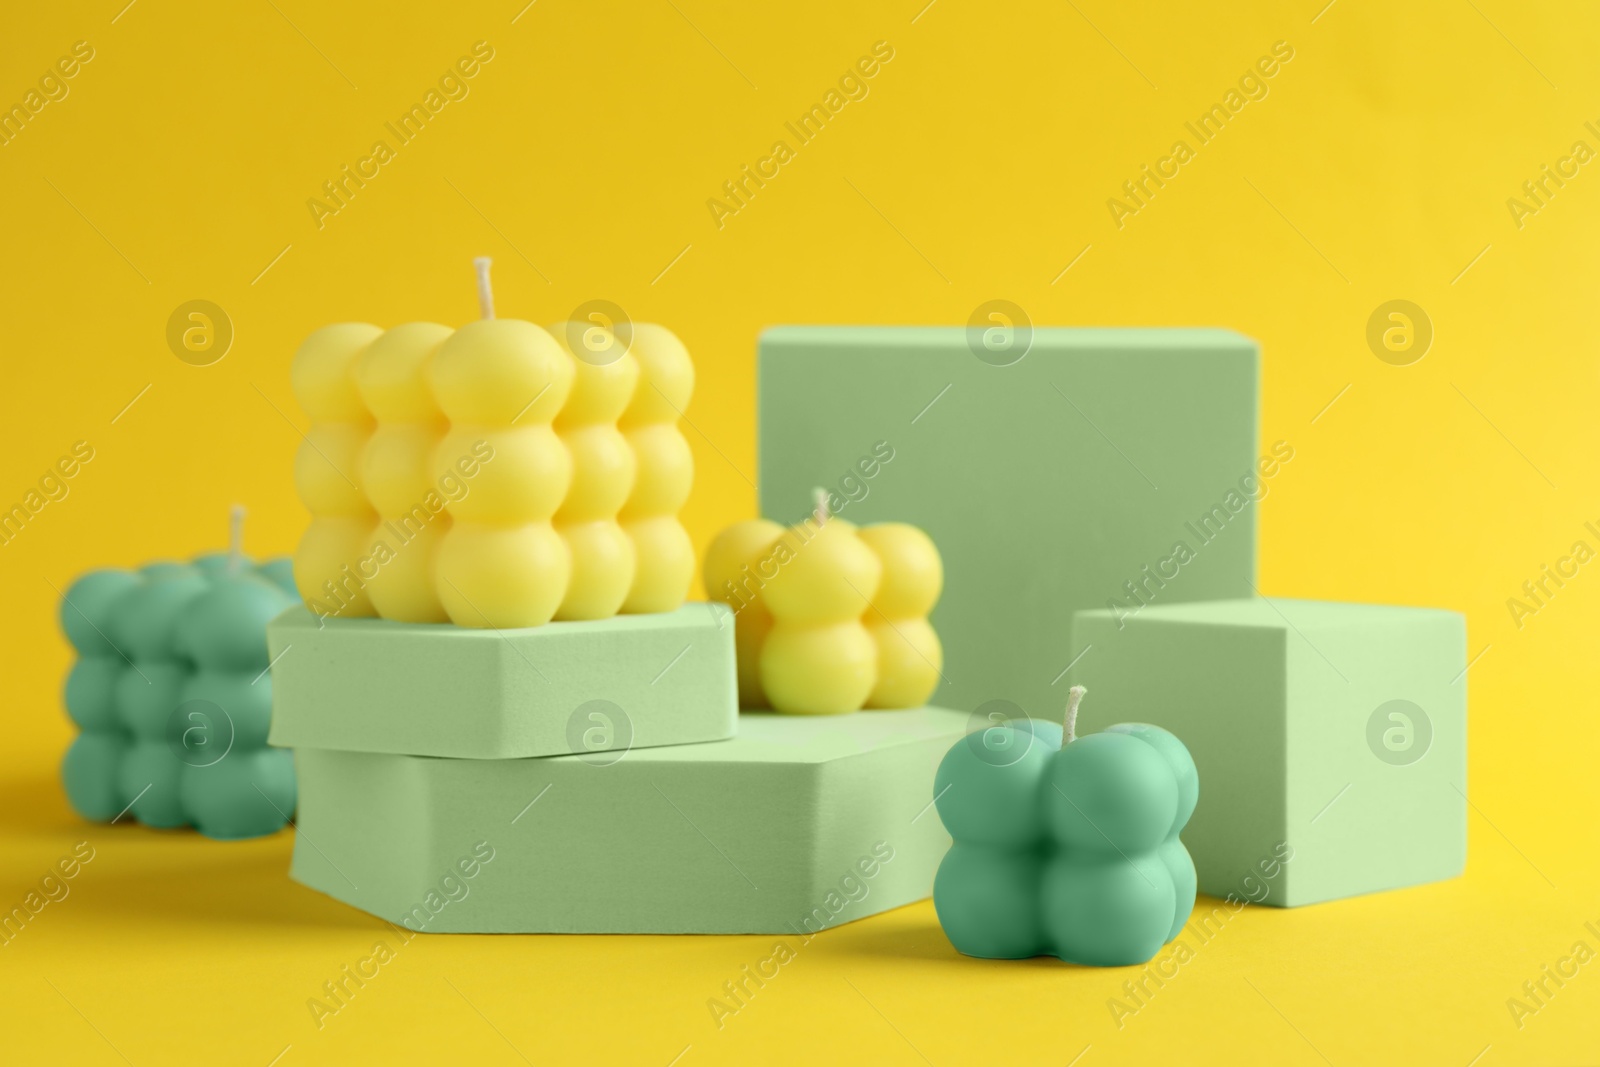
x=979 y=166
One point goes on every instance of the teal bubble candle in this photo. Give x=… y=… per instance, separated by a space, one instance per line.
x=172 y=695
x=1065 y=846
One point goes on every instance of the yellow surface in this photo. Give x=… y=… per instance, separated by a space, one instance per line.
x=977 y=166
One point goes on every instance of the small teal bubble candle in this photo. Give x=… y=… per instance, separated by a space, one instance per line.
x=1065 y=846
x=173 y=697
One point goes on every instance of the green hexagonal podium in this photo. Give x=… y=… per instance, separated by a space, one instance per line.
x=422 y=689
x=793 y=826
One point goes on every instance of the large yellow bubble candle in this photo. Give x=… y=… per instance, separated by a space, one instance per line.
x=493 y=476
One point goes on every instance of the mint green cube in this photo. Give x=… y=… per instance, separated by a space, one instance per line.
x=1056 y=469
x=421 y=689
x=796 y=825
x=1331 y=739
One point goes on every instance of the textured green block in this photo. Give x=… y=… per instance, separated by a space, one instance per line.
x=375 y=685
x=793 y=826
x=1048 y=484
x=1330 y=734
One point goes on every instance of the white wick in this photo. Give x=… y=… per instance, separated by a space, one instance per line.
x=235 y=537
x=1074 y=695
x=819 y=496
x=485 y=290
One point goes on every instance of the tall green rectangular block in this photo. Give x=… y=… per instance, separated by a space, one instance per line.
x=795 y=825
x=1049 y=484
x=374 y=685
x=1333 y=733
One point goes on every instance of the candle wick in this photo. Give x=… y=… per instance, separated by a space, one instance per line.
x=485 y=290
x=820 y=510
x=235 y=537
x=1074 y=695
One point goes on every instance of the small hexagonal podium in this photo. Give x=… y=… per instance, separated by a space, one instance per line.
x=425 y=689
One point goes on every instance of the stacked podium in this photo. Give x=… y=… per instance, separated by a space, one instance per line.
x=593 y=777
x=505 y=716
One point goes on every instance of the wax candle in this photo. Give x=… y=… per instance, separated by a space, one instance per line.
x=503 y=381
x=1063 y=845
x=829 y=618
x=664 y=556
x=603 y=472
x=171 y=694
x=575 y=518
x=326 y=466
x=396 y=470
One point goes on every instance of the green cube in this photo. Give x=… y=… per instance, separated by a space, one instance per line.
x=1052 y=481
x=795 y=825
x=632 y=681
x=1331 y=739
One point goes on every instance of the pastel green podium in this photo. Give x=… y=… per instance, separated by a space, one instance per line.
x=1049 y=483
x=794 y=826
x=631 y=681
x=1329 y=736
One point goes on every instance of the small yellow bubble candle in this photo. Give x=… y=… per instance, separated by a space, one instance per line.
x=830 y=618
